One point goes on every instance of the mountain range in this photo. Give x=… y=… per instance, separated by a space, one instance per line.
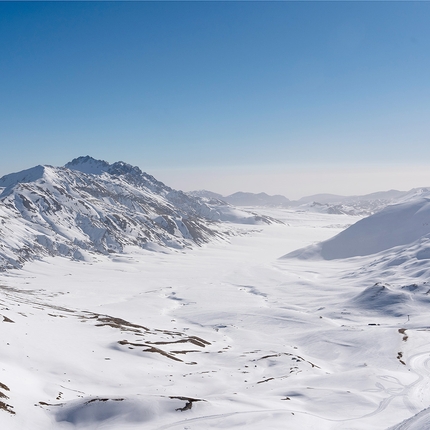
x=362 y=205
x=91 y=206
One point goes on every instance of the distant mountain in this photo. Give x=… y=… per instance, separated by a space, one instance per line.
x=321 y=198
x=406 y=225
x=338 y=199
x=363 y=205
x=260 y=199
x=91 y=206
x=205 y=194
x=245 y=199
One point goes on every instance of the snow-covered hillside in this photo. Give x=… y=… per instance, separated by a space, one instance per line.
x=405 y=224
x=92 y=206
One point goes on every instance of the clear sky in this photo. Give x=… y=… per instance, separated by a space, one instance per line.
x=283 y=97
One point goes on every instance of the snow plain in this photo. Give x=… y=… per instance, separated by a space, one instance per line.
x=228 y=335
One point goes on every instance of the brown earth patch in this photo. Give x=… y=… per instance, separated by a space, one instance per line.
x=189 y=402
x=403 y=332
x=8 y=408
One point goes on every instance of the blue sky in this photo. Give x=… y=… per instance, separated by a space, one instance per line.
x=206 y=93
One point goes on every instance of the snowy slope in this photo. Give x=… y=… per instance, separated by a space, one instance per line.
x=402 y=224
x=93 y=206
x=420 y=421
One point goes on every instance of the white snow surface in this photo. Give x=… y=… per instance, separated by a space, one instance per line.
x=222 y=336
x=406 y=224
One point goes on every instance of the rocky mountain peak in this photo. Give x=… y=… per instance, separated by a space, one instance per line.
x=89 y=165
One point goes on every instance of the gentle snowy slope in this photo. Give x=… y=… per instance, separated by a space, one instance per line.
x=396 y=225
x=420 y=421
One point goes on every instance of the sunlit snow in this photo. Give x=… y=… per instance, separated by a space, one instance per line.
x=224 y=336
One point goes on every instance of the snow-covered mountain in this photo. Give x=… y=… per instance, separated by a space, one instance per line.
x=260 y=199
x=245 y=199
x=363 y=205
x=405 y=225
x=338 y=199
x=92 y=206
x=206 y=194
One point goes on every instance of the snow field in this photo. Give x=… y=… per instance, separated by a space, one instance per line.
x=224 y=336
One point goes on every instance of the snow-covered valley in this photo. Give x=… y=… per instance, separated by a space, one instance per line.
x=228 y=335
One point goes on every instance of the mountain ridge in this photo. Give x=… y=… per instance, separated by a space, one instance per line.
x=67 y=211
x=362 y=205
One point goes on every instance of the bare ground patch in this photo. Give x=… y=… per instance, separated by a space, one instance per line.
x=189 y=402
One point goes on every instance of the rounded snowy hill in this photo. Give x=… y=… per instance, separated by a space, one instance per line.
x=403 y=224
